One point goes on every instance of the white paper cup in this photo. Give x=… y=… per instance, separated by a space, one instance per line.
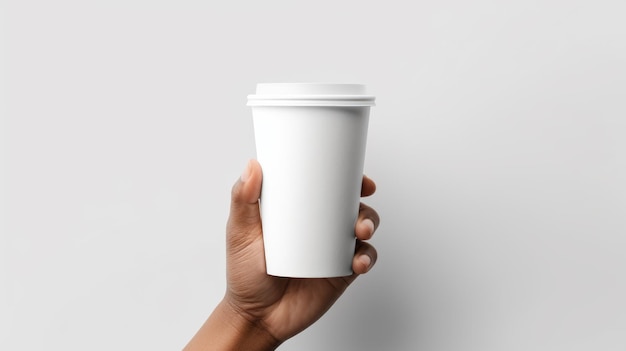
x=310 y=142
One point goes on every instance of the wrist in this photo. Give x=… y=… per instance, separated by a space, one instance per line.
x=228 y=329
x=251 y=333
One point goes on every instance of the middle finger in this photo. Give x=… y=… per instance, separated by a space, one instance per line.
x=367 y=222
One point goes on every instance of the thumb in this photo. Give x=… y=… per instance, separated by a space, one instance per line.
x=244 y=206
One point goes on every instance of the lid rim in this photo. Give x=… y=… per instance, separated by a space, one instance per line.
x=310 y=94
x=327 y=103
x=312 y=97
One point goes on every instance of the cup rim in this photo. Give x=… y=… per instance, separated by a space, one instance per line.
x=310 y=94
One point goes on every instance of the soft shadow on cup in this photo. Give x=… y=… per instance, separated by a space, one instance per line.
x=310 y=142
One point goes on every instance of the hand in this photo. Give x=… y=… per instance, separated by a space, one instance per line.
x=267 y=310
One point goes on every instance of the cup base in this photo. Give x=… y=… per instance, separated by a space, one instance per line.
x=309 y=275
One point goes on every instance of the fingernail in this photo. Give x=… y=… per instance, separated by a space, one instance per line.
x=246 y=173
x=365 y=259
x=369 y=224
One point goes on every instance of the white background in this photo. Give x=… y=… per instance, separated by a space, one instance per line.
x=498 y=145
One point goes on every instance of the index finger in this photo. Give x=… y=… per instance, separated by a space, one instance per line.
x=368 y=187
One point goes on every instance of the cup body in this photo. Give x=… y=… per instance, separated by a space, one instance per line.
x=312 y=159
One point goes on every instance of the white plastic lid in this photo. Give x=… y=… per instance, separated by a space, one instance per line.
x=310 y=94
